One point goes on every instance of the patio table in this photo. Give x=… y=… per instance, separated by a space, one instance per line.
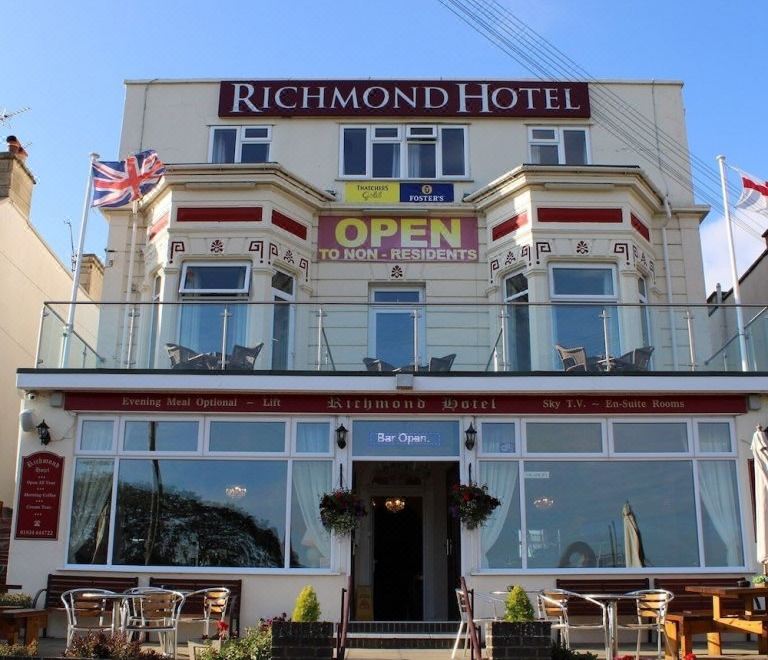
x=611 y=602
x=748 y=619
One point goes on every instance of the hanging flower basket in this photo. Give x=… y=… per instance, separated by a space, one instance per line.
x=472 y=504
x=340 y=511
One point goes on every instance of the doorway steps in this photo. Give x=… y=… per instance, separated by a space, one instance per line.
x=402 y=634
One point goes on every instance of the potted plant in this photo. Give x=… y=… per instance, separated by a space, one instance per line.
x=307 y=608
x=472 y=504
x=760 y=580
x=517 y=606
x=340 y=511
x=15 y=600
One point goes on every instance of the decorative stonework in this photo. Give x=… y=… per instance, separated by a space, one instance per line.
x=542 y=247
x=217 y=246
x=396 y=273
x=175 y=247
x=288 y=257
x=582 y=248
x=304 y=266
x=258 y=248
x=622 y=249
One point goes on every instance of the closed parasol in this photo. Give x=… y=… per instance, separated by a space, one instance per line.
x=634 y=555
x=760 y=454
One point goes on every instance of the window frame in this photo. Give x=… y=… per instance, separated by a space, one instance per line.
x=377 y=308
x=404 y=138
x=240 y=141
x=559 y=142
x=585 y=297
x=188 y=292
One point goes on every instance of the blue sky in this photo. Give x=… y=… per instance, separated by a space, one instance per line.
x=69 y=67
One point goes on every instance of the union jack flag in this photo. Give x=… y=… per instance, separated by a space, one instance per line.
x=122 y=182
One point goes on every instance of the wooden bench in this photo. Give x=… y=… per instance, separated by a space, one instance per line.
x=13 y=619
x=57 y=584
x=601 y=586
x=690 y=614
x=193 y=605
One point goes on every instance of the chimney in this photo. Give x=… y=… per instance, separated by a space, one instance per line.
x=16 y=180
x=92 y=276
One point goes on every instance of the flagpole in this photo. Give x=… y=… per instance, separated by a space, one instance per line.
x=68 y=328
x=734 y=269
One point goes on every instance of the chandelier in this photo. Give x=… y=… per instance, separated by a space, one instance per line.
x=543 y=502
x=235 y=492
x=394 y=504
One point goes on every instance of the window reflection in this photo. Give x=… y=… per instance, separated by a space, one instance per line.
x=583 y=525
x=177 y=513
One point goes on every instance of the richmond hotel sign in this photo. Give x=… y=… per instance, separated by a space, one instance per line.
x=441 y=98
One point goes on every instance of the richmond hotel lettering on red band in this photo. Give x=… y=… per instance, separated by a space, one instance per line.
x=401 y=98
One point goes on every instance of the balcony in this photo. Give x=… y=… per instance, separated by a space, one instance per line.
x=426 y=339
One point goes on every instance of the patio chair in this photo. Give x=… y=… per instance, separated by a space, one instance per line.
x=244 y=358
x=652 y=606
x=464 y=621
x=637 y=359
x=151 y=610
x=179 y=355
x=374 y=364
x=214 y=607
x=553 y=607
x=442 y=363
x=88 y=610
x=574 y=359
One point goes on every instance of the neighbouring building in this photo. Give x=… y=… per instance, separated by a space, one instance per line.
x=30 y=275
x=338 y=282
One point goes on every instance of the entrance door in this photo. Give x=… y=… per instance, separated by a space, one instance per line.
x=401 y=557
x=398 y=557
x=452 y=547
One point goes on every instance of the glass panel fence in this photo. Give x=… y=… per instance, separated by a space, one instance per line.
x=426 y=339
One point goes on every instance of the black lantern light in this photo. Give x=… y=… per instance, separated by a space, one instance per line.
x=470 y=437
x=44 y=432
x=341 y=437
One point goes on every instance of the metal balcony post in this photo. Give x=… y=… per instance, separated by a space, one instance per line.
x=691 y=339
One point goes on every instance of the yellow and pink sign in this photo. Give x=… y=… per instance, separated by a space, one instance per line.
x=397 y=238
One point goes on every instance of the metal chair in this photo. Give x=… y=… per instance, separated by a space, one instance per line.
x=637 y=359
x=374 y=364
x=88 y=610
x=152 y=610
x=214 y=602
x=652 y=606
x=574 y=359
x=553 y=607
x=464 y=622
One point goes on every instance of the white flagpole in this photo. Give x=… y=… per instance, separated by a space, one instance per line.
x=734 y=269
x=69 y=327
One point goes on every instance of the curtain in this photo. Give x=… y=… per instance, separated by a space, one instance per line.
x=716 y=485
x=501 y=477
x=93 y=488
x=311 y=479
x=312 y=437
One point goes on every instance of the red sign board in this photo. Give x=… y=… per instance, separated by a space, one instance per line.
x=394 y=98
x=39 y=496
x=366 y=238
x=430 y=404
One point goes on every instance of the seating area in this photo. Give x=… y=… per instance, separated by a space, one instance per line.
x=242 y=358
x=443 y=363
x=575 y=359
x=199 y=600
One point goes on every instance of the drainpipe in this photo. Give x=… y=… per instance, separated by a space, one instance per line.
x=668 y=279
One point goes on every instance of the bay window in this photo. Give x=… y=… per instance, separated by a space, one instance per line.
x=592 y=323
x=517 y=323
x=413 y=151
x=205 y=324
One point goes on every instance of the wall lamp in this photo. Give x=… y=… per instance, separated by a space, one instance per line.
x=44 y=432
x=470 y=437
x=341 y=436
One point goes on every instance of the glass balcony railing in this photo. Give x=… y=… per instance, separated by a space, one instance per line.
x=427 y=339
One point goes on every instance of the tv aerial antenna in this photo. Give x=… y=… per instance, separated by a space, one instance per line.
x=6 y=115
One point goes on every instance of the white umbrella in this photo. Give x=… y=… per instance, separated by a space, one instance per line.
x=760 y=454
x=634 y=555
